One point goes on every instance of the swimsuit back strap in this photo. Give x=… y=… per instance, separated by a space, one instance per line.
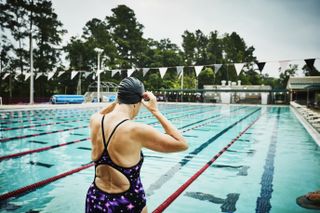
x=104 y=139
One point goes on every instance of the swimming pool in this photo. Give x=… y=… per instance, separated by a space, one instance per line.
x=273 y=160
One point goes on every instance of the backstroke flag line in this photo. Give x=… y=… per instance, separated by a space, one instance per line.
x=163 y=71
x=130 y=71
x=239 y=67
x=73 y=74
x=217 y=67
x=310 y=63
x=144 y=71
x=179 y=70
x=198 y=69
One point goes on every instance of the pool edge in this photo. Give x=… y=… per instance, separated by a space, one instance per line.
x=314 y=133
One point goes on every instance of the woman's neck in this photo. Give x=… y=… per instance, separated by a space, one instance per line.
x=124 y=110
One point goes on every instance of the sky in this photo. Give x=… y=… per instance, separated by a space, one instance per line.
x=278 y=29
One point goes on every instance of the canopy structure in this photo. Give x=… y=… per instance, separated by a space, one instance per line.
x=305 y=90
x=304 y=83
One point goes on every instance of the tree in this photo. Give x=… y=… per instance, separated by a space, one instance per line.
x=284 y=76
x=127 y=34
x=28 y=20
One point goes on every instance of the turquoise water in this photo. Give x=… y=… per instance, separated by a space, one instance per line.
x=271 y=164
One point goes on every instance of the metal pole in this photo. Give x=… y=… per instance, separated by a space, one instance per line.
x=98 y=86
x=31 y=71
x=182 y=86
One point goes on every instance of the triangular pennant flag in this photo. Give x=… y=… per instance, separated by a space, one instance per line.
x=239 y=67
x=73 y=74
x=217 y=67
x=5 y=76
x=317 y=64
x=261 y=65
x=283 y=65
x=26 y=76
x=130 y=71
x=179 y=70
x=51 y=74
x=163 y=71
x=310 y=63
x=38 y=75
x=198 y=69
x=60 y=73
x=144 y=71
x=86 y=74
x=113 y=72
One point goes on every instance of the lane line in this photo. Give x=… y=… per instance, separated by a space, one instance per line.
x=263 y=201
x=187 y=158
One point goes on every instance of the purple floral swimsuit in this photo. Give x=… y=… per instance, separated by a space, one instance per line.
x=131 y=200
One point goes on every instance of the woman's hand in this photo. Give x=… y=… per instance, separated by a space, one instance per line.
x=151 y=104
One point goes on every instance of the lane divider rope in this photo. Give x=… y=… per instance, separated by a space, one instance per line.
x=39 y=184
x=19 y=154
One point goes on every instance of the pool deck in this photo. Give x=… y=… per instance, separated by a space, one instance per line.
x=311 y=130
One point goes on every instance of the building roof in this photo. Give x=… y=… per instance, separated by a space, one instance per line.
x=304 y=83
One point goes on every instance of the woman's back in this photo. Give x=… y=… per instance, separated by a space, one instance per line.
x=121 y=149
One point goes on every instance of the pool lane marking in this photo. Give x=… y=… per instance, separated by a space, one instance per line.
x=34 y=186
x=46 y=118
x=19 y=154
x=3 y=140
x=187 y=158
x=263 y=201
x=54 y=113
x=37 y=125
x=186 y=184
x=39 y=184
x=37 y=111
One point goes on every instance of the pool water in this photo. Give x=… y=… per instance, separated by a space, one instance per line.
x=264 y=170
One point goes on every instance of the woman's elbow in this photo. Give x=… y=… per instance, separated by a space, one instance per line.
x=184 y=146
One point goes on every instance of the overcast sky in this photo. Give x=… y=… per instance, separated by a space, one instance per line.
x=278 y=29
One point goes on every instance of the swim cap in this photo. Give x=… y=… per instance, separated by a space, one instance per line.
x=130 y=90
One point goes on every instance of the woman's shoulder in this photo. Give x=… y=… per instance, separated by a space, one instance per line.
x=95 y=119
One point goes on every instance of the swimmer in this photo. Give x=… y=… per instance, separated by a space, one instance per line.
x=117 y=142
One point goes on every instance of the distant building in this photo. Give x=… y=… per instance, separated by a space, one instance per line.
x=304 y=90
x=236 y=93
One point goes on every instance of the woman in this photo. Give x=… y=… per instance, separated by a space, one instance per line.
x=116 y=149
